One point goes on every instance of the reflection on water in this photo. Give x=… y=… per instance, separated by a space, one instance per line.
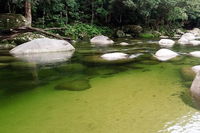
x=189 y=123
x=46 y=58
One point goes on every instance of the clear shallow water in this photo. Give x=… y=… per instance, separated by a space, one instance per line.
x=144 y=96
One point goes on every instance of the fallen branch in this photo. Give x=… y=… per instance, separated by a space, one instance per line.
x=15 y=32
x=48 y=33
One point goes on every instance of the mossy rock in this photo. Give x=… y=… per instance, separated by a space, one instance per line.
x=146 y=35
x=187 y=84
x=3 y=65
x=150 y=62
x=23 y=65
x=96 y=59
x=76 y=85
x=10 y=21
x=102 y=71
x=7 y=45
x=187 y=74
x=7 y=59
x=26 y=37
x=75 y=67
x=48 y=74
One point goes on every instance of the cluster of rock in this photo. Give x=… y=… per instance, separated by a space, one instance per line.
x=189 y=38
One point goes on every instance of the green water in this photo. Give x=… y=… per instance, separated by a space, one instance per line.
x=142 y=96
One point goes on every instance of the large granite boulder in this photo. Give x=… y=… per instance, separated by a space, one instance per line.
x=195 y=88
x=166 y=43
x=11 y=21
x=101 y=40
x=165 y=54
x=42 y=45
x=196 y=69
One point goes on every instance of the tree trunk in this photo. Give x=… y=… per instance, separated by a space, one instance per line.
x=92 y=19
x=28 y=14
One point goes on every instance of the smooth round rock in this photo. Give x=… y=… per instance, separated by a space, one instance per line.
x=124 y=44
x=195 y=54
x=42 y=45
x=114 y=56
x=196 y=69
x=166 y=43
x=165 y=54
x=101 y=40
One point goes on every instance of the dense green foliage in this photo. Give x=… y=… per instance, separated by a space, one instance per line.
x=154 y=14
x=81 y=30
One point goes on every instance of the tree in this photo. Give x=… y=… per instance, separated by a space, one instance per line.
x=28 y=14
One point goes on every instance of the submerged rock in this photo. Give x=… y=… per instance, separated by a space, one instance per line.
x=195 y=88
x=195 y=54
x=72 y=68
x=101 y=40
x=166 y=43
x=77 y=85
x=187 y=73
x=165 y=54
x=42 y=45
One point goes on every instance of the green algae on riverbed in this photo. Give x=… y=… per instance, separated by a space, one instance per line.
x=143 y=96
x=131 y=101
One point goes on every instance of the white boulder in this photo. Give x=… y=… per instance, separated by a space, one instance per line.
x=42 y=45
x=165 y=54
x=164 y=37
x=195 y=88
x=194 y=42
x=124 y=44
x=195 y=54
x=114 y=56
x=196 y=69
x=195 y=31
x=166 y=43
x=186 y=38
x=183 y=41
x=101 y=40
